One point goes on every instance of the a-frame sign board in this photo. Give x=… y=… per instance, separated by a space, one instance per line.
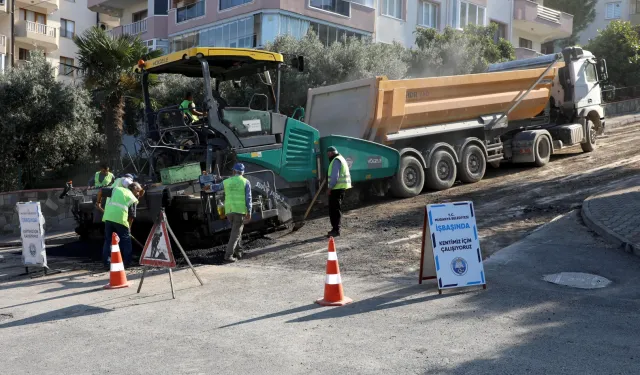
x=157 y=251
x=451 y=247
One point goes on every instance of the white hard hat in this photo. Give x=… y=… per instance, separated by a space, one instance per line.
x=126 y=182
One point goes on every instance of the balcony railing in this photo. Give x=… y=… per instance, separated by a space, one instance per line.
x=135 y=28
x=38 y=28
x=549 y=14
x=190 y=11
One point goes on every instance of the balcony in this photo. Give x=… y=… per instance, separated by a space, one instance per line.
x=545 y=23
x=114 y=8
x=49 y=6
x=3 y=44
x=37 y=34
x=154 y=27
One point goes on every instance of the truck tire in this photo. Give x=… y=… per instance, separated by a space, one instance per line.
x=591 y=136
x=542 y=151
x=409 y=180
x=473 y=164
x=442 y=171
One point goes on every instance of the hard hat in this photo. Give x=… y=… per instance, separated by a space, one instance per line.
x=332 y=149
x=128 y=175
x=239 y=167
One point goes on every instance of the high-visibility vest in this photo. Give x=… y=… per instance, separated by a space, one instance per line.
x=117 y=209
x=186 y=108
x=105 y=182
x=118 y=182
x=234 y=195
x=344 y=177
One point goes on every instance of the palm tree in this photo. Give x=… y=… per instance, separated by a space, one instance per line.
x=108 y=64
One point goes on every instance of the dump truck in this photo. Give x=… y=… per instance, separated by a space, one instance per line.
x=396 y=135
x=449 y=128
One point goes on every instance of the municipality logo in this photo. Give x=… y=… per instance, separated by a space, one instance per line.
x=459 y=266
x=32 y=250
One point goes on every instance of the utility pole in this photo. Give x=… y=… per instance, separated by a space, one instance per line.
x=13 y=33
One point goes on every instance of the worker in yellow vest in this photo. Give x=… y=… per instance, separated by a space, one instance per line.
x=103 y=177
x=237 y=208
x=188 y=108
x=118 y=216
x=339 y=182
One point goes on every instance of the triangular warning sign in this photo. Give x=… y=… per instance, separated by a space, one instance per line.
x=157 y=251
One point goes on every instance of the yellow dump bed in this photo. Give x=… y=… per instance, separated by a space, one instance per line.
x=377 y=107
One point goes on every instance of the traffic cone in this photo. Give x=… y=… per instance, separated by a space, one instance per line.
x=117 y=276
x=333 y=293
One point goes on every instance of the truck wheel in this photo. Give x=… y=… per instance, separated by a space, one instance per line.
x=592 y=136
x=441 y=174
x=409 y=180
x=542 y=151
x=473 y=164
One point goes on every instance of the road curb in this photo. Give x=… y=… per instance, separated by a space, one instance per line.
x=614 y=124
x=602 y=230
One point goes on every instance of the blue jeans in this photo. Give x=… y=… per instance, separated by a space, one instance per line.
x=125 y=242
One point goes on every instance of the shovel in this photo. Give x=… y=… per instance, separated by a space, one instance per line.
x=300 y=224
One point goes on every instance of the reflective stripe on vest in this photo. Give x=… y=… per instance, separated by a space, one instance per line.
x=105 y=181
x=344 y=177
x=186 y=108
x=117 y=209
x=234 y=195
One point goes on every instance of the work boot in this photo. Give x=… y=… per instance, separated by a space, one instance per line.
x=231 y=259
x=333 y=233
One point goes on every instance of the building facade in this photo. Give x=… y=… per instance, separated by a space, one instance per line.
x=173 y=25
x=49 y=26
x=607 y=11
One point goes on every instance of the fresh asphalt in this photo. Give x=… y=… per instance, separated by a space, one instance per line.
x=262 y=320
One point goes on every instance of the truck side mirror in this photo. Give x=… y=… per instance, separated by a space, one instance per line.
x=603 y=73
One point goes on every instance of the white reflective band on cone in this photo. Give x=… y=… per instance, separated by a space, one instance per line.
x=333 y=255
x=333 y=279
x=115 y=248
x=115 y=267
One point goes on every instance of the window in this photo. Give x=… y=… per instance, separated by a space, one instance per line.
x=238 y=33
x=139 y=16
x=67 y=28
x=428 y=14
x=29 y=15
x=465 y=14
x=333 y=6
x=161 y=7
x=66 y=66
x=392 y=8
x=525 y=43
x=590 y=70
x=501 y=32
x=635 y=5
x=190 y=11
x=613 y=11
x=23 y=54
x=329 y=34
x=226 y=4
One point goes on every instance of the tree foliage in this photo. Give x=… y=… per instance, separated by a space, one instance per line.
x=583 y=11
x=619 y=44
x=44 y=123
x=454 y=52
x=108 y=66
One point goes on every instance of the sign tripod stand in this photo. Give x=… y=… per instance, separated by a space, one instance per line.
x=157 y=251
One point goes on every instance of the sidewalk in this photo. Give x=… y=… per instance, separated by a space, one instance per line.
x=616 y=122
x=615 y=215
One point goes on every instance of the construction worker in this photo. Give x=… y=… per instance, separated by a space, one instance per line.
x=118 y=216
x=237 y=207
x=188 y=107
x=339 y=181
x=103 y=177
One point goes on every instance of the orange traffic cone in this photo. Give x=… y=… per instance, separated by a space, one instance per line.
x=333 y=293
x=117 y=276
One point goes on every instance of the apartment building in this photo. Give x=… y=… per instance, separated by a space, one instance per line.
x=607 y=11
x=46 y=25
x=529 y=25
x=177 y=24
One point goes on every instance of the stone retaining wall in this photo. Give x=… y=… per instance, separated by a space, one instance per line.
x=622 y=108
x=56 y=211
